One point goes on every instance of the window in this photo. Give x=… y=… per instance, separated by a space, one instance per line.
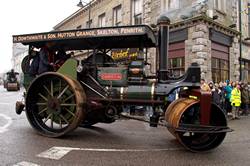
x=117 y=16
x=246 y=71
x=220 y=5
x=137 y=12
x=176 y=66
x=171 y=4
x=101 y=20
x=220 y=70
x=89 y=24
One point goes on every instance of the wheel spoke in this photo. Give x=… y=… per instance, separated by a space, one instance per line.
x=47 y=118
x=70 y=112
x=64 y=90
x=51 y=88
x=43 y=96
x=68 y=98
x=47 y=89
x=42 y=110
x=60 y=85
x=65 y=120
x=51 y=119
x=67 y=104
x=41 y=104
x=60 y=121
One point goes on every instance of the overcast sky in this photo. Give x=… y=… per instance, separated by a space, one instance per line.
x=29 y=16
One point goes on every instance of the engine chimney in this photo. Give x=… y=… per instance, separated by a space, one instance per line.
x=163 y=43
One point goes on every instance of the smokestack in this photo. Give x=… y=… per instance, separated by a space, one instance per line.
x=163 y=43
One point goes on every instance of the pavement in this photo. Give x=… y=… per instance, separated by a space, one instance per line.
x=125 y=143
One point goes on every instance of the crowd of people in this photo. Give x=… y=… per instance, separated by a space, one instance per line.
x=232 y=96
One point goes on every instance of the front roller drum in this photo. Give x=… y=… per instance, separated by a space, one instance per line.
x=187 y=112
x=55 y=104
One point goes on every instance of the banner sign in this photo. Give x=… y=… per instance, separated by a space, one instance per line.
x=84 y=33
x=124 y=54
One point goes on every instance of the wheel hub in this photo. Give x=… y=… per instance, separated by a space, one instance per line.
x=53 y=104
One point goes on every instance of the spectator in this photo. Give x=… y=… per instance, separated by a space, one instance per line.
x=204 y=86
x=245 y=99
x=228 y=90
x=222 y=96
x=211 y=85
x=235 y=100
x=216 y=92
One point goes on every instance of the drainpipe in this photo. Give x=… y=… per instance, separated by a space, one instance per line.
x=240 y=28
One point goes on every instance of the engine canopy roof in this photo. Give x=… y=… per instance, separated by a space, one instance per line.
x=139 y=36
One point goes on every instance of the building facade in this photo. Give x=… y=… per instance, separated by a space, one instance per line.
x=202 y=31
x=19 y=52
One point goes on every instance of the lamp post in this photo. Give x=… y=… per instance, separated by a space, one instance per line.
x=80 y=4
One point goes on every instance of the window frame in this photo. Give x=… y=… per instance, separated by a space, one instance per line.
x=179 y=68
x=218 y=70
x=171 y=4
x=220 y=5
x=137 y=15
x=102 y=20
x=116 y=21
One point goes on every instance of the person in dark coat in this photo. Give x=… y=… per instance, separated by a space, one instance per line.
x=245 y=99
x=46 y=58
x=216 y=96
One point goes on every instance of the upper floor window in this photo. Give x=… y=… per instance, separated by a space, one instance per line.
x=171 y=4
x=89 y=24
x=117 y=15
x=220 y=5
x=137 y=12
x=101 y=20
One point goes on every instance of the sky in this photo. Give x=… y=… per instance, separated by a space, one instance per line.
x=29 y=16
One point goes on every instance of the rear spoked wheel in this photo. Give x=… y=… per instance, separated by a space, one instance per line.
x=54 y=104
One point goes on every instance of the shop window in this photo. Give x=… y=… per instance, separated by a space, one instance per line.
x=176 y=66
x=117 y=16
x=220 y=70
x=137 y=9
x=101 y=20
x=246 y=71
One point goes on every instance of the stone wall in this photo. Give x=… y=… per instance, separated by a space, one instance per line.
x=234 y=60
x=198 y=49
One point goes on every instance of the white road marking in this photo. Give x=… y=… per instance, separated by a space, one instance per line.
x=5 y=127
x=25 y=163
x=56 y=153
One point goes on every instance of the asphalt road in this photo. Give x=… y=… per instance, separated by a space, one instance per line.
x=125 y=142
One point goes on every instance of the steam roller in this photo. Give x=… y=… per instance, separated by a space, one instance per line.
x=184 y=116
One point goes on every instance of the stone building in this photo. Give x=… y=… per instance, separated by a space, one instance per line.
x=202 y=31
